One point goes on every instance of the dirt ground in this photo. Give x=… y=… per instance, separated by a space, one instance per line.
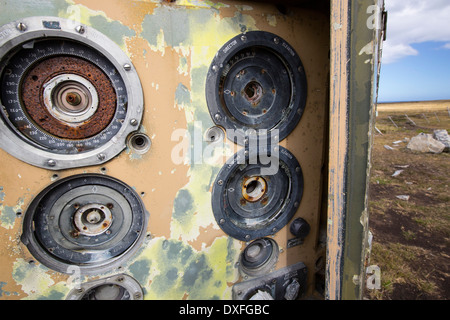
x=411 y=238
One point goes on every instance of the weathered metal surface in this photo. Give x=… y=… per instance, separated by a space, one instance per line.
x=355 y=47
x=171 y=44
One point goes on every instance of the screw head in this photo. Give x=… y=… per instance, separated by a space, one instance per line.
x=127 y=66
x=134 y=122
x=80 y=29
x=276 y=40
x=101 y=156
x=51 y=163
x=21 y=26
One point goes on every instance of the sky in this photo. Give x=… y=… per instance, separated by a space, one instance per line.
x=416 y=54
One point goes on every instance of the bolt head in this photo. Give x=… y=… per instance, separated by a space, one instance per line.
x=51 y=163
x=21 y=26
x=80 y=29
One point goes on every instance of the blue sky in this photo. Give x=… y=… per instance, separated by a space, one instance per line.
x=416 y=54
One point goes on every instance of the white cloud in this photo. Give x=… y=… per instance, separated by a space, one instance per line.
x=414 y=21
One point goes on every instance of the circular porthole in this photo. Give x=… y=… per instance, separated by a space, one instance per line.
x=69 y=95
x=256 y=81
x=91 y=221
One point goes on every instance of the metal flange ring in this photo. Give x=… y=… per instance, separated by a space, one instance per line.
x=90 y=221
x=69 y=95
x=256 y=81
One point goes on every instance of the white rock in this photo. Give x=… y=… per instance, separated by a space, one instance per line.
x=442 y=136
x=425 y=142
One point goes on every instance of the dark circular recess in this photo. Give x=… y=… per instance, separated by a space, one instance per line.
x=117 y=287
x=259 y=256
x=244 y=218
x=107 y=292
x=30 y=68
x=256 y=81
x=91 y=221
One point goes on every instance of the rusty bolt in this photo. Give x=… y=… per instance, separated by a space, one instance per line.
x=73 y=98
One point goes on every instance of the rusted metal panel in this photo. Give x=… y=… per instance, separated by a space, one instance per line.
x=171 y=44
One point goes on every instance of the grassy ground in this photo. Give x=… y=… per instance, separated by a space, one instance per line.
x=411 y=243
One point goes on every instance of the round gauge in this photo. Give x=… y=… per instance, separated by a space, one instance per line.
x=256 y=82
x=91 y=221
x=251 y=200
x=69 y=95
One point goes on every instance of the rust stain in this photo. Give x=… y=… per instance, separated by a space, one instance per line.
x=42 y=72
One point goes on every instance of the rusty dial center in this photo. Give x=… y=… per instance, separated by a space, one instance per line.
x=254 y=188
x=253 y=92
x=92 y=219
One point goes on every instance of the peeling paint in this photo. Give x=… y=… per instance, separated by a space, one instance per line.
x=171 y=46
x=180 y=271
x=33 y=278
x=8 y=214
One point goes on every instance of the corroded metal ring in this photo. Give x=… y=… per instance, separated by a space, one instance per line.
x=93 y=102
x=249 y=201
x=256 y=81
x=43 y=72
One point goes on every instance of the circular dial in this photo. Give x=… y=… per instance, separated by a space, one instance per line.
x=88 y=220
x=249 y=202
x=69 y=96
x=63 y=96
x=256 y=82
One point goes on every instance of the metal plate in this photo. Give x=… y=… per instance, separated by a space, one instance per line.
x=288 y=283
x=69 y=95
x=249 y=203
x=256 y=81
x=90 y=221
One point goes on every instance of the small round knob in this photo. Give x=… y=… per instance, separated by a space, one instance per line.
x=300 y=228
